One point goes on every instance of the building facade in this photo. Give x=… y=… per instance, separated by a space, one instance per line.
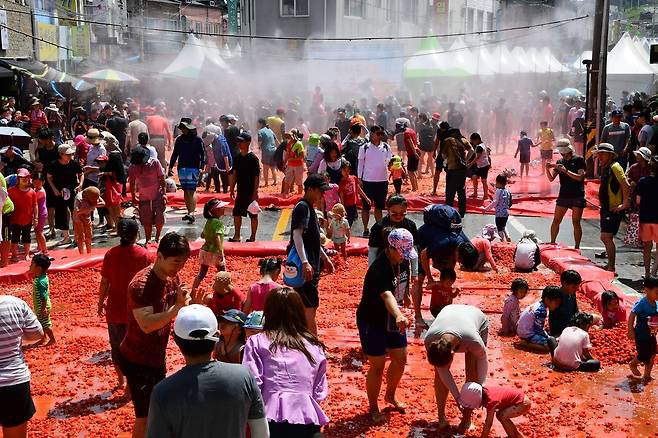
x=17 y=40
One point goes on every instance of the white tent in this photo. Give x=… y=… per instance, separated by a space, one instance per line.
x=628 y=68
x=192 y=58
x=578 y=63
x=521 y=60
x=554 y=66
x=485 y=59
x=537 y=63
x=462 y=57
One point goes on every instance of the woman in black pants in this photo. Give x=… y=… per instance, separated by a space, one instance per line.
x=65 y=178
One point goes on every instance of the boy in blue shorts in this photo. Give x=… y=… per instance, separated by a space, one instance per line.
x=41 y=297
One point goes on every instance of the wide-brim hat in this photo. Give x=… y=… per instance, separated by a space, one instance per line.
x=643 y=152
x=186 y=123
x=66 y=149
x=564 y=146
x=605 y=148
x=52 y=107
x=35 y=101
x=93 y=136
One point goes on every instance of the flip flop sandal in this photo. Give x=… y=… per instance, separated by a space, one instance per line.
x=233 y=240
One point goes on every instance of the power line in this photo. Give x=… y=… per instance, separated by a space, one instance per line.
x=33 y=37
x=260 y=37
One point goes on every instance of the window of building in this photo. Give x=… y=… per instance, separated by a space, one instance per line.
x=354 y=9
x=490 y=21
x=294 y=8
x=481 y=25
x=388 y=6
x=409 y=11
x=470 y=19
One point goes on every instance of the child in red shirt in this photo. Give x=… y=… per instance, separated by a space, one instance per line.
x=348 y=189
x=442 y=291
x=225 y=296
x=24 y=215
x=502 y=402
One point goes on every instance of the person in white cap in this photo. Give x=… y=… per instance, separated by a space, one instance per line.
x=571 y=171
x=614 y=197
x=458 y=328
x=65 y=178
x=502 y=402
x=225 y=399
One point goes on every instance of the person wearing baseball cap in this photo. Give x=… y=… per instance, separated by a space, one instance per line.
x=232 y=338
x=382 y=325
x=305 y=236
x=246 y=176
x=614 y=198
x=618 y=134
x=571 y=172
x=226 y=398
x=191 y=157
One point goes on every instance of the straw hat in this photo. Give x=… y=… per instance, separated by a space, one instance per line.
x=93 y=136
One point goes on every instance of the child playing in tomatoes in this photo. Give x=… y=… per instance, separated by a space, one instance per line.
x=571 y=351
x=442 y=291
x=512 y=307
x=504 y=403
x=225 y=296
x=643 y=313
x=612 y=308
x=85 y=203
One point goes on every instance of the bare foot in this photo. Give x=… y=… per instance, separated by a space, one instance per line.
x=50 y=342
x=634 y=369
x=377 y=417
x=399 y=406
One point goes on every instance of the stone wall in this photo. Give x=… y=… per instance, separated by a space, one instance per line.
x=20 y=46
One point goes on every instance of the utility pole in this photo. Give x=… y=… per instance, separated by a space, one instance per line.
x=597 y=96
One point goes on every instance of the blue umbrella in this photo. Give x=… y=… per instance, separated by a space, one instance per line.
x=570 y=92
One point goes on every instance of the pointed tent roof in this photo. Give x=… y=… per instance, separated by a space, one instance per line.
x=626 y=59
x=521 y=60
x=462 y=58
x=578 y=63
x=551 y=61
x=429 y=62
x=193 y=56
x=486 y=58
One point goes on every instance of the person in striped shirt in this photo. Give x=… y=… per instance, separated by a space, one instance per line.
x=18 y=324
x=41 y=296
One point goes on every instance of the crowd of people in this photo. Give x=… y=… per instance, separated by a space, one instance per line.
x=84 y=167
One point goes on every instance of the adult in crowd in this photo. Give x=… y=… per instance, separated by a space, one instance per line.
x=331 y=163
x=571 y=172
x=147 y=179
x=12 y=160
x=97 y=149
x=382 y=325
x=117 y=125
x=225 y=398
x=267 y=144
x=410 y=140
x=638 y=170
x=288 y=362
x=352 y=145
x=396 y=206
x=120 y=264
x=246 y=176
x=46 y=151
x=65 y=179
x=154 y=298
x=223 y=160
x=372 y=172
x=191 y=157
x=442 y=242
x=618 y=134
x=342 y=122
x=614 y=198
x=646 y=199
x=231 y=132
x=135 y=127
x=456 y=149
x=18 y=324
x=159 y=130
x=480 y=164
x=439 y=162
x=38 y=119
x=458 y=328
x=305 y=235
x=426 y=133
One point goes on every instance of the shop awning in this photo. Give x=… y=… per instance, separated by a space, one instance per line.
x=44 y=73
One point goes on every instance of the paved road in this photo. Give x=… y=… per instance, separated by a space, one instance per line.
x=275 y=225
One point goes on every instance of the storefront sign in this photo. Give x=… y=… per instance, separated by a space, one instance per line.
x=48 y=34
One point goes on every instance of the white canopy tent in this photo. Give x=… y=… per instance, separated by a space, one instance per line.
x=628 y=68
x=195 y=55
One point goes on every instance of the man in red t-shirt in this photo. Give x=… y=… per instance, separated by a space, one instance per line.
x=348 y=189
x=120 y=265
x=24 y=215
x=154 y=298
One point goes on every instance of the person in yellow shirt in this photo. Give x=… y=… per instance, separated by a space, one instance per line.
x=614 y=196
x=277 y=124
x=545 y=140
x=7 y=207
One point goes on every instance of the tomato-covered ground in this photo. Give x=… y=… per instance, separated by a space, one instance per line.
x=73 y=381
